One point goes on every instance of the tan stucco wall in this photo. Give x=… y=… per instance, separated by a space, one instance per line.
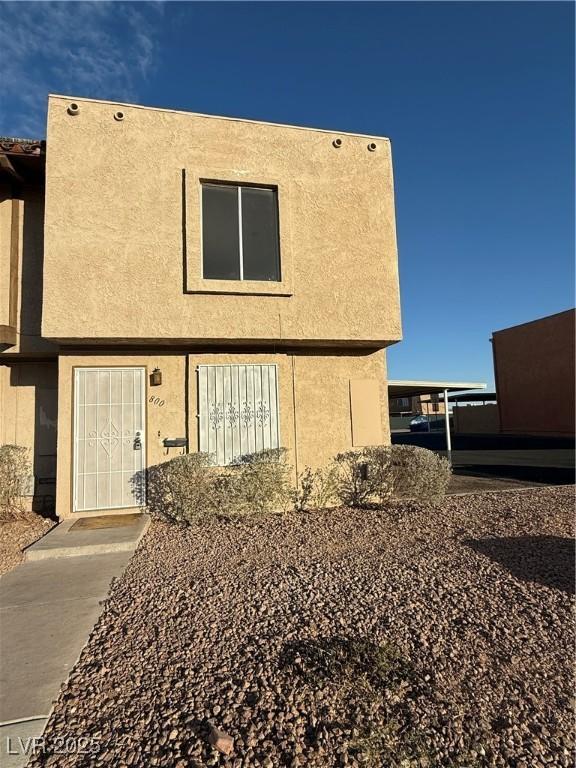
x=29 y=236
x=28 y=417
x=114 y=225
x=534 y=372
x=322 y=394
x=314 y=396
x=314 y=391
x=5 y=241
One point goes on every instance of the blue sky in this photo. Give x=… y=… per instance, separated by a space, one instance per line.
x=477 y=98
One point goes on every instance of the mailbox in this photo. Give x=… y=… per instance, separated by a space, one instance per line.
x=175 y=442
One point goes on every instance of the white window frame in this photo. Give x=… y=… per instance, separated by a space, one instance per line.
x=239 y=188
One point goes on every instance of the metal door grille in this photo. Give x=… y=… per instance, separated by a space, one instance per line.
x=237 y=410
x=109 y=416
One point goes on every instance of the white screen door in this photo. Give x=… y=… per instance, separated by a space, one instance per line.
x=109 y=438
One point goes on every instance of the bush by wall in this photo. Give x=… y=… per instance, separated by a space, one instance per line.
x=15 y=471
x=375 y=474
x=316 y=489
x=182 y=490
x=258 y=483
x=419 y=473
x=190 y=488
x=355 y=484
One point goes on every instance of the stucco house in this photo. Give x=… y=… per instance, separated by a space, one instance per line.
x=177 y=282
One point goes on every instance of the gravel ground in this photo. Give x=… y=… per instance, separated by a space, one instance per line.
x=412 y=637
x=16 y=535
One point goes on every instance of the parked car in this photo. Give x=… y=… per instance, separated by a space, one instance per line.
x=420 y=424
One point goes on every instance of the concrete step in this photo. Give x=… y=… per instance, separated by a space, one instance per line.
x=90 y=536
x=109 y=512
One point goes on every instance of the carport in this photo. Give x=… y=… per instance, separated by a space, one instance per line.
x=398 y=389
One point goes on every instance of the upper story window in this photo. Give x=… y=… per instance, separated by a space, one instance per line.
x=240 y=233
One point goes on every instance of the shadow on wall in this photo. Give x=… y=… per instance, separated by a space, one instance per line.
x=546 y=560
x=147 y=495
x=39 y=416
x=32 y=278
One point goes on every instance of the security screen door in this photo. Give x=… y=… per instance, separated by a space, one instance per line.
x=109 y=444
x=237 y=410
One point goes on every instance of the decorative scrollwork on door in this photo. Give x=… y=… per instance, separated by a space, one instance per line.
x=232 y=415
x=262 y=413
x=247 y=414
x=216 y=415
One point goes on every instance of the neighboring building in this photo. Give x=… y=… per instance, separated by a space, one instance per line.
x=221 y=283
x=409 y=398
x=534 y=373
x=428 y=405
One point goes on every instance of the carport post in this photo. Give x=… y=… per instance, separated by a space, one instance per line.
x=447 y=419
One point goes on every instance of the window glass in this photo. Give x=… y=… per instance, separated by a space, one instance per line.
x=220 y=232
x=260 y=234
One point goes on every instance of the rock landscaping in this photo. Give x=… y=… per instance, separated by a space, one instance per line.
x=19 y=533
x=414 y=636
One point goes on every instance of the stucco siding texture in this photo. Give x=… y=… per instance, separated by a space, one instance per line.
x=5 y=242
x=27 y=235
x=535 y=374
x=123 y=223
x=29 y=418
x=323 y=407
x=313 y=394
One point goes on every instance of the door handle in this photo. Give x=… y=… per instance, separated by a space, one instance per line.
x=137 y=442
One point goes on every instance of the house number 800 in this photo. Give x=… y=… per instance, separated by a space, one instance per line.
x=156 y=401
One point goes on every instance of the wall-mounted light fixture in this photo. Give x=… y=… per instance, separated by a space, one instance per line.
x=156 y=377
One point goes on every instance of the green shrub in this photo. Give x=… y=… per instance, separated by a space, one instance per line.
x=316 y=489
x=377 y=473
x=355 y=484
x=183 y=489
x=258 y=483
x=379 y=459
x=419 y=473
x=15 y=471
x=190 y=488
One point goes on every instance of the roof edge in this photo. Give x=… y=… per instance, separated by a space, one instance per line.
x=443 y=384
x=218 y=117
x=568 y=311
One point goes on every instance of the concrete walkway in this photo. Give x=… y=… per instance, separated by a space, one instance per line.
x=48 y=608
x=90 y=536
